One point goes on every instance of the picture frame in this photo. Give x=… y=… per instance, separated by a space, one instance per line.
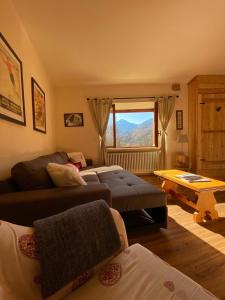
x=38 y=106
x=12 y=106
x=73 y=120
x=179 y=119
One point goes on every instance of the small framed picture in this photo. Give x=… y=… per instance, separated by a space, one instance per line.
x=38 y=104
x=179 y=119
x=73 y=120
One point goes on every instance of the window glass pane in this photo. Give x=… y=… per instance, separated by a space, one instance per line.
x=109 y=132
x=134 y=129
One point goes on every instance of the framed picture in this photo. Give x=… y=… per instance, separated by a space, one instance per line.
x=12 y=106
x=38 y=104
x=179 y=119
x=73 y=120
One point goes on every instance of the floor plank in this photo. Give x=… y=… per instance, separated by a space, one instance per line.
x=198 y=250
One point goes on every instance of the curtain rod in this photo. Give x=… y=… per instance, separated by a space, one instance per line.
x=144 y=97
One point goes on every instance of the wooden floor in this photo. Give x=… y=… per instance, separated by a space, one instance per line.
x=198 y=250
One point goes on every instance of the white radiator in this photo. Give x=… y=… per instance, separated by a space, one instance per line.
x=140 y=162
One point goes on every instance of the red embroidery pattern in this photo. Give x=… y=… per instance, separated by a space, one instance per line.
x=27 y=245
x=169 y=285
x=80 y=280
x=111 y=274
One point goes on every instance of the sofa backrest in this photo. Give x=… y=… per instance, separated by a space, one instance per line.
x=32 y=175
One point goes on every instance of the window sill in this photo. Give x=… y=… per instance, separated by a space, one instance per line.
x=135 y=149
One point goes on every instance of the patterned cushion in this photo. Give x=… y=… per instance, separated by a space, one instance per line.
x=19 y=265
x=20 y=270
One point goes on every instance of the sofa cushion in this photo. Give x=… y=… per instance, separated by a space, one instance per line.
x=130 y=192
x=65 y=175
x=78 y=157
x=90 y=177
x=138 y=274
x=20 y=269
x=32 y=175
x=7 y=186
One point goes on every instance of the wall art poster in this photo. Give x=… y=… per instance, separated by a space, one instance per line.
x=12 y=106
x=38 y=104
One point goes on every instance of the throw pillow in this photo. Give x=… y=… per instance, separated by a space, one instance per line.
x=77 y=164
x=65 y=175
x=20 y=270
x=77 y=157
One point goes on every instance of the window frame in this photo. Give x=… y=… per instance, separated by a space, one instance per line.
x=154 y=110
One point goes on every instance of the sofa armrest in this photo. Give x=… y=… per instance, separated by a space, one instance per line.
x=25 y=207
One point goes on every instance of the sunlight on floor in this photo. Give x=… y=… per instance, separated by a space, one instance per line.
x=211 y=232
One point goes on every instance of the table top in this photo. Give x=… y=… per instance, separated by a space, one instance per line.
x=213 y=184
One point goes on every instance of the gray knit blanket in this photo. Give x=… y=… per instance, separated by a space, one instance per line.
x=74 y=241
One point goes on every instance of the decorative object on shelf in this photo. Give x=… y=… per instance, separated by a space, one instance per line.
x=73 y=120
x=12 y=107
x=179 y=119
x=38 y=104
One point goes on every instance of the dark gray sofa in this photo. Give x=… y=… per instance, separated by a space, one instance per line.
x=30 y=193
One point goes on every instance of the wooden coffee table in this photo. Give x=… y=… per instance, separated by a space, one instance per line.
x=205 y=200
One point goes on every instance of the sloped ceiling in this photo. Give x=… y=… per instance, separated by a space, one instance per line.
x=126 y=41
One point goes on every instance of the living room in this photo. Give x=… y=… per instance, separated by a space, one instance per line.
x=84 y=50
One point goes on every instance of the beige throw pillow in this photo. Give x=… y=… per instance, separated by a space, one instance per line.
x=77 y=157
x=65 y=175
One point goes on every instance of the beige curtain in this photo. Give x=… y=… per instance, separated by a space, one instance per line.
x=100 y=109
x=166 y=107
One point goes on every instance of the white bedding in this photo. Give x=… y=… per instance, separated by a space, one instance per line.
x=138 y=274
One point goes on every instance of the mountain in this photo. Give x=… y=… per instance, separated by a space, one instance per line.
x=130 y=134
x=124 y=127
x=146 y=123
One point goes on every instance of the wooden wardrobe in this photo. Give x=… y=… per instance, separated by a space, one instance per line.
x=206 y=125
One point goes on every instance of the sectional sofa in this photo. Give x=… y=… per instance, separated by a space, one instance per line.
x=30 y=193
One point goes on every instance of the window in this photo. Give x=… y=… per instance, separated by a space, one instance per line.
x=134 y=127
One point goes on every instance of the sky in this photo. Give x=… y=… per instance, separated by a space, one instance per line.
x=136 y=118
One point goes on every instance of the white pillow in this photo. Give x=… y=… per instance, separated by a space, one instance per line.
x=19 y=265
x=65 y=175
x=77 y=157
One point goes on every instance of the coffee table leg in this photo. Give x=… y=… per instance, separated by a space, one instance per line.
x=206 y=206
x=169 y=186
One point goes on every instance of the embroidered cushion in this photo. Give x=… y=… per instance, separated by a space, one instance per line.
x=19 y=265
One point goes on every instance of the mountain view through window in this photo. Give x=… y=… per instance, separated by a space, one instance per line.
x=132 y=129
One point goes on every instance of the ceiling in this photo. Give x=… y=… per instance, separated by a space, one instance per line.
x=126 y=41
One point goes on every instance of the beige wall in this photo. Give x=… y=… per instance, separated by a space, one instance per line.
x=18 y=142
x=85 y=138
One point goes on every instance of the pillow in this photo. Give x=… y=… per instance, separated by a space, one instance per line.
x=77 y=164
x=76 y=157
x=20 y=270
x=65 y=175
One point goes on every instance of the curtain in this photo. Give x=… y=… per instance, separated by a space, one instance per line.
x=166 y=107
x=100 y=109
